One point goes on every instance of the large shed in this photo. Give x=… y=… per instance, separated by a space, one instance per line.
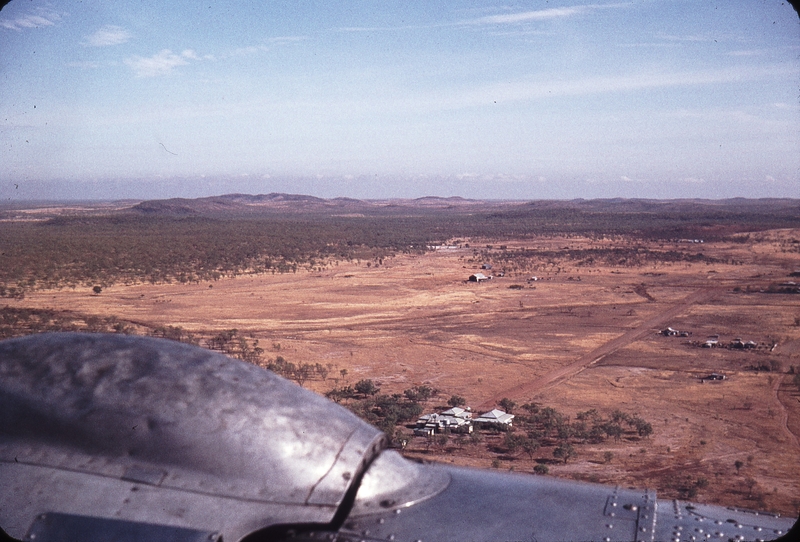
x=496 y=418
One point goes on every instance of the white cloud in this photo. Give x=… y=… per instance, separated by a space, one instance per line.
x=190 y=54
x=529 y=90
x=161 y=63
x=537 y=15
x=108 y=35
x=541 y=14
x=43 y=17
x=287 y=39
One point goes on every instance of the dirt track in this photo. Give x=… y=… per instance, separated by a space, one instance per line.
x=552 y=378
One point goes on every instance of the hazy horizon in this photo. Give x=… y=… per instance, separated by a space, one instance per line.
x=654 y=99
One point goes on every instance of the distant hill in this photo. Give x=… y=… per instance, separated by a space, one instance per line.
x=245 y=204
x=279 y=203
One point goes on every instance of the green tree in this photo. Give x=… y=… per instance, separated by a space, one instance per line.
x=456 y=401
x=564 y=451
x=541 y=469
x=419 y=394
x=97 y=289
x=738 y=464
x=507 y=404
x=366 y=387
x=530 y=446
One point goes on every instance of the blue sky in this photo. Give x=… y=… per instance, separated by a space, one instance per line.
x=379 y=99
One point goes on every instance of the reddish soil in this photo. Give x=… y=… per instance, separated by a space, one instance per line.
x=580 y=338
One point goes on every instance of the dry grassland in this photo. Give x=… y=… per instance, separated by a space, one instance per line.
x=414 y=320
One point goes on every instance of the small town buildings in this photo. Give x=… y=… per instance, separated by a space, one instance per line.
x=486 y=266
x=495 y=418
x=669 y=332
x=478 y=277
x=454 y=420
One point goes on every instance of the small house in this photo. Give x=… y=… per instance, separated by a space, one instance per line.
x=478 y=277
x=455 y=420
x=495 y=418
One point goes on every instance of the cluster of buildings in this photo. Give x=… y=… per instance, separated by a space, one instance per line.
x=669 y=332
x=460 y=420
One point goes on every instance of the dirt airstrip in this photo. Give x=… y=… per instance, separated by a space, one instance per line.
x=579 y=337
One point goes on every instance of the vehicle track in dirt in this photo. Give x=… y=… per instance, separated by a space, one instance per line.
x=784 y=413
x=526 y=389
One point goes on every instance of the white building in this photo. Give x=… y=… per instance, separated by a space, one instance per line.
x=455 y=420
x=497 y=418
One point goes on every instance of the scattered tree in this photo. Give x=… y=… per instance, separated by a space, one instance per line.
x=366 y=387
x=507 y=404
x=564 y=451
x=456 y=401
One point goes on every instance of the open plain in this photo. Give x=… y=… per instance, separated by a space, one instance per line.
x=584 y=335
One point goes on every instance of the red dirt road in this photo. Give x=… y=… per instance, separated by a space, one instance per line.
x=526 y=389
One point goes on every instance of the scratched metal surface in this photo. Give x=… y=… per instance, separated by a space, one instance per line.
x=160 y=414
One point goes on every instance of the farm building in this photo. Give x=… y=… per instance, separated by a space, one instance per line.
x=455 y=420
x=478 y=277
x=713 y=377
x=495 y=418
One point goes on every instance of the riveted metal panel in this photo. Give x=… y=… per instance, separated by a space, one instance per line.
x=54 y=527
